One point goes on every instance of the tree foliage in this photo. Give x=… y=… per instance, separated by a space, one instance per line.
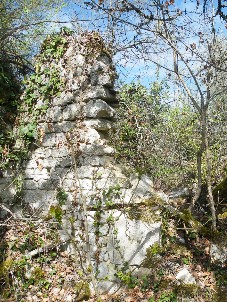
x=22 y=26
x=185 y=46
x=156 y=138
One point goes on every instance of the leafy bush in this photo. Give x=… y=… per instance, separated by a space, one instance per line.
x=155 y=138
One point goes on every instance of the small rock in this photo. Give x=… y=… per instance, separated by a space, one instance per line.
x=69 y=298
x=55 y=291
x=62 y=292
x=39 y=294
x=34 y=299
x=218 y=253
x=180 y=193
x=185 y=276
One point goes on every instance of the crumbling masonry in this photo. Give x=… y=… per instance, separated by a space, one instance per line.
x=73 y=155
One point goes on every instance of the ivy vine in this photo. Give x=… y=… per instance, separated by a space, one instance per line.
x=40 y=88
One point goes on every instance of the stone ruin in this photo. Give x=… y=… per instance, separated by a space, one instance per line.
x=73 y=155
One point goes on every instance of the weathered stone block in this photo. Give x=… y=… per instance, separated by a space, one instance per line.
x=95 y=149
x=29 y=184
x=48 y=184
x=54 y=114
x=104 y=58
x=69 y=184
x=30 y=164
x=41 y=174
x=49 y=140
x=79 y=60
x=99 y=109
x=218 y=252
x=5 y=180
x=65 y=126
x=100 y=75
x=86 y=184
x=185 y=276
x=65 y=162
x=95 y=161
x=90 y=136
x=102 y=93
x=86 y=172
x=29 y=173
x=71 y=112
x=60 y=152
x=41 y=152
x=99 y=124
x=64 y=99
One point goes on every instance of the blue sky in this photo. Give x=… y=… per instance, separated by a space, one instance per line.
x=134 y=68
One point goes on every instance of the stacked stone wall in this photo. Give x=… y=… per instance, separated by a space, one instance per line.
x=73 y=155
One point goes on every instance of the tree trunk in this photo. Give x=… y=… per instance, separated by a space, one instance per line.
x=208 y=167
x=209 y=186
x=204 y=149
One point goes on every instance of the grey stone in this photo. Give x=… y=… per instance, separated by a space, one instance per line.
x=79 y=60
x=41 y=152
x=41 y=174
x=86 y=172
x=100 y=75
x=29 y=173
x=105 y=80
x=64 y=126
x=60 y=152
x=99 y=124
x=49 y=140
x=30 y=164
x=71 y=112
x=65 y=162
x=99 y=109
x=5 y=180
x=94 y=161
x=142 y=187
x=185 y=276
x=86 y=184
x=180 y=193
x=35 y=198
x=48 y=184
x=69 y=184
x=218 y=253
x=104 y=59
x=96 y=149
x=105 y=183
x=7 y=193
x=90 y=136
x=60 y=139
x=102 y=93
x=54 y=114
x=30 y=185
x=64 y=99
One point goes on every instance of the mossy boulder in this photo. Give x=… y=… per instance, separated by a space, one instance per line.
x=220 y=191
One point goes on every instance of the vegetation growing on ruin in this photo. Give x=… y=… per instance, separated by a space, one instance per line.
x=173 y=130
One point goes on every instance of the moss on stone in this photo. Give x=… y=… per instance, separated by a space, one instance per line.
x=38 y=274
x=220 y=191
x=153 y=256
x=82 y=290
x=190 y=220
x=187 y=290
x=145 y=210
x=5 y=267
